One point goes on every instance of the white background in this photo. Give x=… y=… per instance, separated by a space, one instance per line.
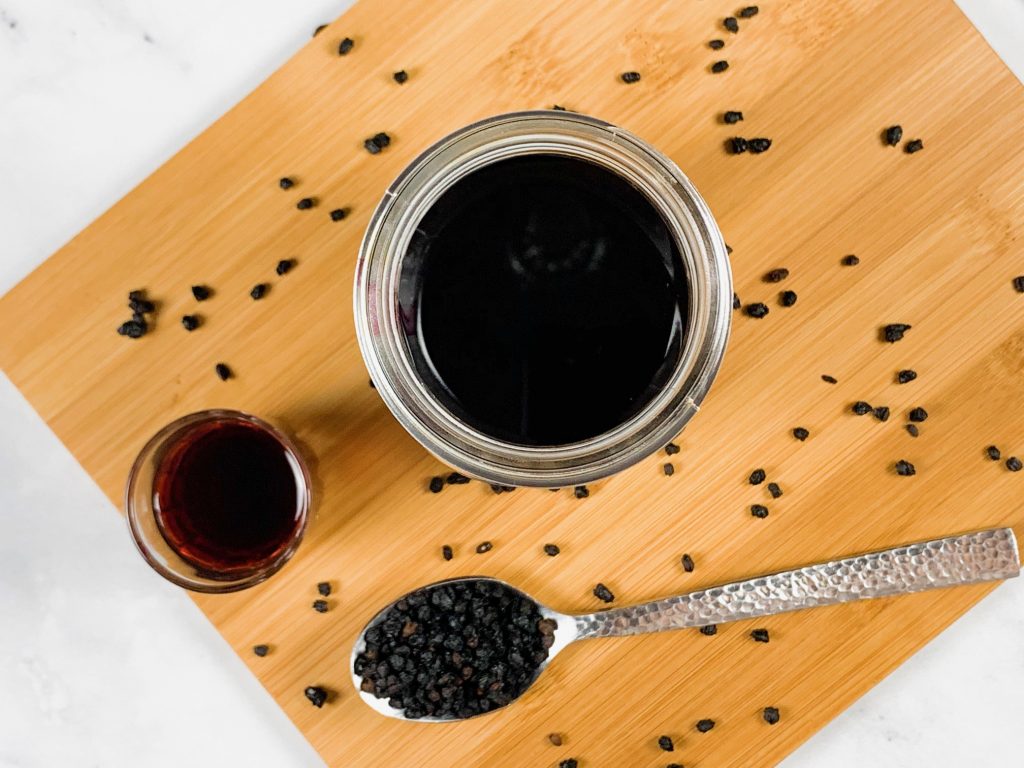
x=101 y=663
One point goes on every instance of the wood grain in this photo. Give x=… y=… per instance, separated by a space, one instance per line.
x=939 y=237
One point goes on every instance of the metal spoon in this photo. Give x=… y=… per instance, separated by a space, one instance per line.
x=972 y=558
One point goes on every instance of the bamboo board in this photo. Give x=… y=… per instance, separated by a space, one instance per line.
x=939 y=235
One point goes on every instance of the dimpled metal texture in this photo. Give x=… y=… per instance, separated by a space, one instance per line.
x=969 y=559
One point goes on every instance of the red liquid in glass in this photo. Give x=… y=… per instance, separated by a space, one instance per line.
x=228 y=497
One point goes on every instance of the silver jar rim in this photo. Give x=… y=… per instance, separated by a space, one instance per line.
x=382 y=337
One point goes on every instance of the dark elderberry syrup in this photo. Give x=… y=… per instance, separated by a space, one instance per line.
x=228 y=497
x=544 y=299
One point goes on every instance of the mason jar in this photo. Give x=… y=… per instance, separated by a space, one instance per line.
x=384 y=330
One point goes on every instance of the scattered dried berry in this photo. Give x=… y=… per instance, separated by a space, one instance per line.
x=829 y=379
x=993 y=453
x=320 y=606
x=324 y=588
x=757 y=310
x=1014 y=464
x=319 y=29
x=665 y=742
x=688 y=564
x=894 y=331
x=201 y=292
x=905 y=468
x=338 y=214
x=893 y=134
x=861 y=408
x=555 y=738
x=774 y=490
x=223 y=371
x=759 y=145
x=316 y=695
x=728 y=249
x=801 y=434
x=581 y=491
x=457 y=479
x=1018 y=283
x=345 y=46
x=484 y=547
x=850 y=261
x=630 y=77
x=261 y=650
x=906 y=375
x=133 y=329
x=446 y=552
x=136 y=295
x=286 y=182
x=719 y=66
x=738 y=145
x=787 y=298
x=551 y=550
x=376 y=143
x=913 y=146
x=760 y=635
x=400 y=76
x=259 y=291
x=731 y=117
x=736 y=304
x=140 y=305
x=750 y=10
x=757 y=477
x=776 y=275
x=602 y=593
x=190 y=322
x=569 y=763
x=558 y=108
x=881 y=412
x=705 y=725
x=759 y=511
x=710 y=630
x=305 y=203
x=913 y=430
x=771 y=715
x=918 y=414
x=730 y=23
x=716 y=45
x=436 y=484
x=284 y=266
x=671 y=449
x=668 y=469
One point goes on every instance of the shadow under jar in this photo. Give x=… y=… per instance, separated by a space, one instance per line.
x=542 y=299
x=218 y=501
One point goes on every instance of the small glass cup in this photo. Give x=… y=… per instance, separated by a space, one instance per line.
x=143 y=513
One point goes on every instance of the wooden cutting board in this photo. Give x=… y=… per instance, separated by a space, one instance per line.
x=939 y=235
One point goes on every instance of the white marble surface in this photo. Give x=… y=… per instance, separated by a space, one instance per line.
x=101 y=663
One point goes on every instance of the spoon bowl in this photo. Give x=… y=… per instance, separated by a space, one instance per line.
x=565 y=633
x=971 y=558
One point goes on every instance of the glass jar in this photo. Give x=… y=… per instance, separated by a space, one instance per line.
x=383 y=335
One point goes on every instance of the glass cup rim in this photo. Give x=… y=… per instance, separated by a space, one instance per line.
x=382 y=340
x=132 y=511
